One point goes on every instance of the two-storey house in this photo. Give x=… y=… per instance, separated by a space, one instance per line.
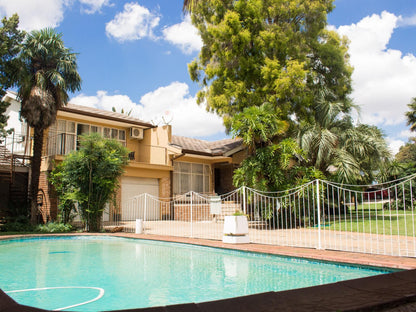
x=161 y=164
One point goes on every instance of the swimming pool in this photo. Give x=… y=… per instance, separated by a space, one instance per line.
x=89 y=273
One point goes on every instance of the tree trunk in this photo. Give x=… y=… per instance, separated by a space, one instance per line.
x=35 y=166
x=94 y=222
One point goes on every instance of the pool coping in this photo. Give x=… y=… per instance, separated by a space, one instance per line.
x=355 y=258
x=387 y=292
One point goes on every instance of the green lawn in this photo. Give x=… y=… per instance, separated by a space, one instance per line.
x=371 y=218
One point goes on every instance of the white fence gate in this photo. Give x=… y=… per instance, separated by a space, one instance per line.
x=377 y=219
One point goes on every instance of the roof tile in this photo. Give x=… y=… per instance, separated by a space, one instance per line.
x=215 y=148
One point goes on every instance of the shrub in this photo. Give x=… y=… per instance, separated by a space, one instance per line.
x=90 y=177
x=54 y=227
x=17 y=224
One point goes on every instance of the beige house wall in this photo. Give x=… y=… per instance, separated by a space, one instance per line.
x=152 y=158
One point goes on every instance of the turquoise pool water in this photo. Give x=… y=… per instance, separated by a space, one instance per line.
x=87 y=273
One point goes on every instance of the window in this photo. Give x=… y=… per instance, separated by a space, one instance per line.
x=83 y=129
x=190 y=177
x=107 y=133
x=95 y=129
x=63 y=135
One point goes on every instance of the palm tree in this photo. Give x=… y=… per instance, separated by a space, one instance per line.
x=49 y=71
x=335 y=145
x=411 y=115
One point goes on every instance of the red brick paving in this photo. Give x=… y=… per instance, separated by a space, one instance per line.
x=327 y=255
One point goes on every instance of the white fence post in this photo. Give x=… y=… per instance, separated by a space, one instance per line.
x=335 y=221
x=145 y=211
x=244 y=200
x=319 y=213
x=192 y=230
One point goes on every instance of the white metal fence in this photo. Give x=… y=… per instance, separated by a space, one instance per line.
x=378 y=219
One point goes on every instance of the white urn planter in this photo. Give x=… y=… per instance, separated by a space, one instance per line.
x=235 y=230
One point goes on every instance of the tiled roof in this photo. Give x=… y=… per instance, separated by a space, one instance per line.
x=95 y=112
x=226 y=145
x=195 y=146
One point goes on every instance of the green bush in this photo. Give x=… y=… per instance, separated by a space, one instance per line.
x=90 y=176
x=54 y=227
x=17 y=224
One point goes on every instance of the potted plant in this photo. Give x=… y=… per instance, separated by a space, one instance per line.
x=236 y=229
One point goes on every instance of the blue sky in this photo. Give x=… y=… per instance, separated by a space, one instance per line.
x=134 y=55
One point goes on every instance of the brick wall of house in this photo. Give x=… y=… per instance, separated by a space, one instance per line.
x=115 y=211
x=165 y=192
x=199 y=212
x=165 y=187
x=49 y=208
x=202 y=212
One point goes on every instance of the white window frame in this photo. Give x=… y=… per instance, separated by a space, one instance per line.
x=180 y=176
x=55 y=131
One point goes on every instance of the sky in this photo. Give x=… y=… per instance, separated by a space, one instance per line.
x=133 y=55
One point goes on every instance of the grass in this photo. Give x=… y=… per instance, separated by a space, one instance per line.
x=372 y=218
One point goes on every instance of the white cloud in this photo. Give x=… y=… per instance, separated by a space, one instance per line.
x=406 y=134
x=35 y=14
x=175 y=103
x=104 y=101
x=93 y=6
x=184 y=35
x=172 y=104
x=407 y=21
x=134 y=23
x=383 y=79
x=394 y=145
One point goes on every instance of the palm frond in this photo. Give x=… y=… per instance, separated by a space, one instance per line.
x=51 y=67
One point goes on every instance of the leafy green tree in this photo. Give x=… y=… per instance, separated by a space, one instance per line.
x=403 y=164
x=275 y=52
x=272 y=164
x=267 y=51
x=392 y=170
x=91 y=176
x=10 y=45
x=64 y=191
x=257 y=126
x=48 y=72
x=188 y=5
x=411 y=115
x=407 y=152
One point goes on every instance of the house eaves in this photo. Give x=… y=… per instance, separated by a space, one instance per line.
x=106 y=115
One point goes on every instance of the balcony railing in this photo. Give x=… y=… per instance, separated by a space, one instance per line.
x=14 y=155
x=16 y=144
x=64 y=143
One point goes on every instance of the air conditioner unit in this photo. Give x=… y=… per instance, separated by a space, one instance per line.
x=136 y=133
